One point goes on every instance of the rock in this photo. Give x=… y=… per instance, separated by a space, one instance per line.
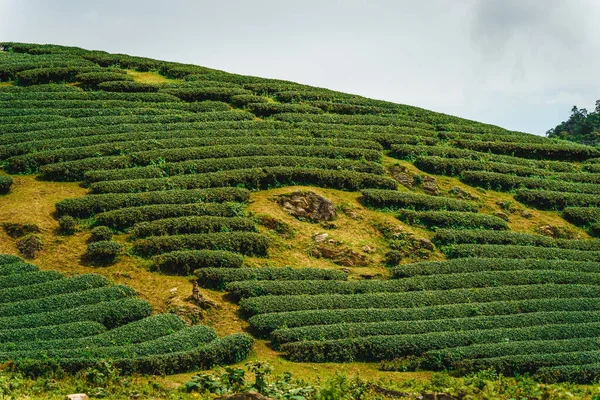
x=77 y=396
x=368 y=249
x=320 y=237
x=430 y=186
x=426 y=244
x=463 y=194
x=200 y=300
x=244 y=396
x=501 y=214
x=526 y=214
x=307 y=205
x=370 y=276
x=556 y=232
x=340 y=254
x=405 y=180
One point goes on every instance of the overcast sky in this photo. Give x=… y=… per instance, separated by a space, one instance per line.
x=520 y=64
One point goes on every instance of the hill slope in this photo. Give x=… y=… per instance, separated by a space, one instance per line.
x=475 y=240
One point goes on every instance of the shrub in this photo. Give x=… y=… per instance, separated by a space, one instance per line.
x=513 y=251
x=101 y=233
x=548 y=150
x=50 y=332
x=582 y=216
x=186 y=261
x=94 y=78
x=5 y=184
x=267 y=109
x=182 y=225
x=549 y=200
x=67 y=224
x=16 y=230
x=29 y=245
x=206 y=93
x=218 y=278
x=452 y=219
x=104 y=250
x=247 y=243
x=241 y=100
x=126 y=86
x=449 y=237
x=83 y=207
x=394 y=199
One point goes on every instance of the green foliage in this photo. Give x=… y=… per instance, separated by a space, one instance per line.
x=103 y=251
x=549 y=200
x=218 y=278
x=393 y=200
x=5 y=184
x=452 y=219
x=126 y=86
x=184 y=262
x=515 y=251
x=94 y=78
x=100 y=233
x=83 y=207
x=247 y=243
x=582 y=126
x=182 y=225
x=67 y=224
x=17 y=230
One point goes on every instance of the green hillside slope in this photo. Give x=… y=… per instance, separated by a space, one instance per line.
x=457 y=244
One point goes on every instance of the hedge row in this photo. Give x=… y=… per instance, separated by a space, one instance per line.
x=452 y=219
x=377 y=348
x=394 y=199
x=582 y=373
x=205 y=93
x=5 y=184
x=478 y=279
x=263 y=324
x=549 y=200
x=223 y=164
x=89 y=205
x=464 y=265
x=357 y=330
x=528 y=363
x=582 y=216
x=503 y=182
x=255 y=178
x=218 y=278
x=41 y=95
x=17 y=268
x=29 y=278
x=445 y=358
x=9 y=259
x=186 y=261
x=109 y=313
x=247 y=243
x=94 y=78
x=182 y=225
x=55 y=287
x=52 y=74
x=448 y=237
x=182 y=340
x=552 y=151
x=228 y=350
x=268 y=109
x=411 y=152
x=66 y=301
x=62 y=331
x=389 y=120
x=145 y=329
x=513 y=251
x=272 y=304
x=124 y=218
x=127 y=86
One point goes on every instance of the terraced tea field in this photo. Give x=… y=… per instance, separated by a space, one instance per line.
x=457 y=245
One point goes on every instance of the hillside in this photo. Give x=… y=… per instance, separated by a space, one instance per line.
x=448 y=245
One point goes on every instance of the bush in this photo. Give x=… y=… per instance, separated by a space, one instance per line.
x=126 y=217
x=67 y=224
x=448 y=237
x=452 y=219
x=394 y=199
x=104 y=250
x=268 y=109
x=206 y=93
x=273 y=304
x=182 y=225
x=247 y=243
x=16 y=230
x=218 y=278
x=126 y=86
x=94 y=78
x=241 y=100
x=582 y=216
x=549 y=200
x=30 y=245
x=513 y=251
x=265 y=323
x=50 y=332
x=5 y=184
x=83 y=207
x=101 y=233
x=549 y=150
x=186 y=261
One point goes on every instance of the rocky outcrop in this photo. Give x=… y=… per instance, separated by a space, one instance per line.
x=308 y=206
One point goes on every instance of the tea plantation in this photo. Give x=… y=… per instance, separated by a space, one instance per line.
x=173 y=170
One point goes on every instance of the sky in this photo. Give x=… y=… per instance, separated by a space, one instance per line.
x=520 y=64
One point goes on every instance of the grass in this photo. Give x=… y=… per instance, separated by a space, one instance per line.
x=149 y=77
